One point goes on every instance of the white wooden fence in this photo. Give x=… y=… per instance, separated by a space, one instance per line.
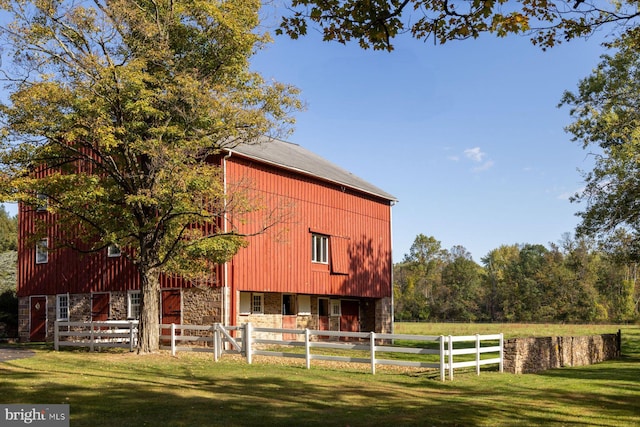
x=250 y=341
x=110 y=333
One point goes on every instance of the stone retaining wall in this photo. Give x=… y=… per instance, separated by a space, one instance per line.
x=528 y=355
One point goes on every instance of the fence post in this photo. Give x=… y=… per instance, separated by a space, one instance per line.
x=450 y=358
x=372 y=343
x=307 y=347
x=247 y=341
x=477 y=354
x=91 y=336
x=55 y=335
x=501 y=353
x=131 y=336
x=215 y=342
x=173 y=339
x=442 y=356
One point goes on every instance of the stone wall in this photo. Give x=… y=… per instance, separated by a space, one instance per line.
x=529 y=355
x=384 y=316
x=23 y=318
x=202 y=306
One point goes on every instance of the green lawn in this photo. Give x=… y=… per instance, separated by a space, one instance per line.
x=122 y=389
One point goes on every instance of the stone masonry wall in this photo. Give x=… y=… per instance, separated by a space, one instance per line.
x=529 y=355
x=23 y=318
x=202 y=306
x=384 y=316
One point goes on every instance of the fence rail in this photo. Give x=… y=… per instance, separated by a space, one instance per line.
x=360 y=347
x=250 y=341
x=123 y=334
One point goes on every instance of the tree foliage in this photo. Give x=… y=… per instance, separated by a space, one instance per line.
x=417 y=277
x=606 y=113
x=8 y=231
x=375 y=23
x=575 y=281
x=116 y=108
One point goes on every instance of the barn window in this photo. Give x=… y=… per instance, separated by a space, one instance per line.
x=335 y=307
x=288 y=304
x=113 y=251
x=42 y=254
x=133 y=304
x=340 y=255
x=319 y=248
x=257 y=303
x=245 y=303
x=251 y=303
x=62 y=307
x=43 y=203
x=304 y=304
x=323 y=307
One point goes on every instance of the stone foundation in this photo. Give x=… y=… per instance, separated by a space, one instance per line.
x=204 y=306
x=384 y=316
x=23 y=318
x=529 y=355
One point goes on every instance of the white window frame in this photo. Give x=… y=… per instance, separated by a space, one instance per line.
x=62 y=307
x=134 y=299
x=335 y=308
x=43 y=202
x=320 y=248
x=113 y=251
x=257 y=303
x=42 y=253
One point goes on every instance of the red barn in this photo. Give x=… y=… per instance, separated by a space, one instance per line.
x=325 y=263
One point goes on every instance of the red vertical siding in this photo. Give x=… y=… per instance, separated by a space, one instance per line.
x=280 y=259
x=73 y=272
x=66 y=270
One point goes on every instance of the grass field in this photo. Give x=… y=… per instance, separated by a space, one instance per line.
x=122 y=389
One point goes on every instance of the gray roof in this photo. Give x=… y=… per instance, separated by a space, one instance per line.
x=296 y=158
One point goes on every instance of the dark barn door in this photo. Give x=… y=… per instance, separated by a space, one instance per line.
x=323 y=316
x=349 y=316
x=38 y=315
x=171 y=309
x=171 y=306
x=100 y=307
x=289 y=317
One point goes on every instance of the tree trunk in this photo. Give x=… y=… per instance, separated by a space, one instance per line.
x=148 y=336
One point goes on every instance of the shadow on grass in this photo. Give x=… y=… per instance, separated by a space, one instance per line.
x=116 y=390
x=191 y=399
x=125 y=390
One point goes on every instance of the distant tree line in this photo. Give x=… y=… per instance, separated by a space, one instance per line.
x=8 y=265
x=574 y=280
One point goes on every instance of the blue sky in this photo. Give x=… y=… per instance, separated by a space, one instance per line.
x=466 y=135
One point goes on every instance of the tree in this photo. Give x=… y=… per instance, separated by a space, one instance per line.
x=618 y=277
x=497 y=263
x=376 y=23
x=606 y=109
x=116 y=108
x=416 y=278
x=460 y=295
x=8 y=231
